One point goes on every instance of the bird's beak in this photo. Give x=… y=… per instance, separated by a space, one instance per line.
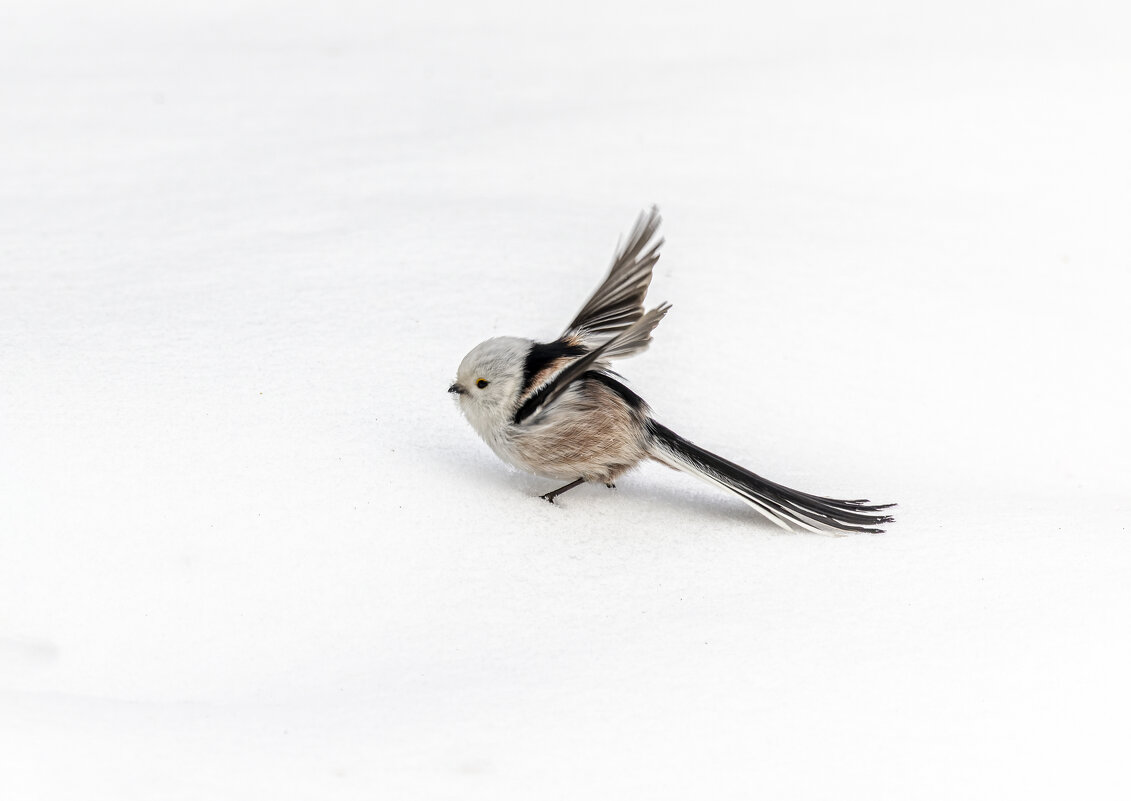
x=456 y=388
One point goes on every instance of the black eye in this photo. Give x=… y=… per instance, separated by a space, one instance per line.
x=481 y=383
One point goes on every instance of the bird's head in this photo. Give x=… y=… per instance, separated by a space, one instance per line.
x=489 y=381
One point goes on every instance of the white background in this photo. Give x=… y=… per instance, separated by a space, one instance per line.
x=249 y=548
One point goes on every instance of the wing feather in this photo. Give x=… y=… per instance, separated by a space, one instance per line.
x=636 y=337
x=619 y=301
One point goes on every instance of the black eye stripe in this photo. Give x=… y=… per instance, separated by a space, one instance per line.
x=482 y=383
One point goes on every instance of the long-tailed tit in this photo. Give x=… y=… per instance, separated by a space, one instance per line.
x=556 y=410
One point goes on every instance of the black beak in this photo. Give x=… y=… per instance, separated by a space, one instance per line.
x=456 y=388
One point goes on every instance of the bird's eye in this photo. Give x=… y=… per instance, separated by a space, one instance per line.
x=481 y=383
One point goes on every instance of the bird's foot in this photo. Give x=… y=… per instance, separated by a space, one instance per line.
x=549 y=496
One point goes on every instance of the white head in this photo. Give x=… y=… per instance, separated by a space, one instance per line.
x=489 y=381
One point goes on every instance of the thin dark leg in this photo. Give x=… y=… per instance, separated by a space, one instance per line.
x=549 y=496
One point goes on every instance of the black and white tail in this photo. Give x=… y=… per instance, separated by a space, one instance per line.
x=780 y=504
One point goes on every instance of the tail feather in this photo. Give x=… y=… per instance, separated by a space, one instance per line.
x=782 y=505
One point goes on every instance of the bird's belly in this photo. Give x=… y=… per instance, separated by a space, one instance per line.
x=594 y=445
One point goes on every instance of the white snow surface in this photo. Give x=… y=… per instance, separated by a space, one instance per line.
x=250 y=549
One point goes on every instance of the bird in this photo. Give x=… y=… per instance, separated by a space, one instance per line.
x=557 y=410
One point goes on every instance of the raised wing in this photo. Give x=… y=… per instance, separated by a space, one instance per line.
x=635 y=338
x=619 y=301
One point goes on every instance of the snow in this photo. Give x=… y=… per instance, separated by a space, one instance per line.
x=249 y=548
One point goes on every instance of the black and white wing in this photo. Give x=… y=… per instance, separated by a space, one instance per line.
x=634 y=339
x=619 y=301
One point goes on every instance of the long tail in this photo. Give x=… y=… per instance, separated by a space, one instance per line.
x=780 y=504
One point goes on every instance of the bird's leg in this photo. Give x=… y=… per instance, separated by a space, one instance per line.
x=610 y=485
x=549 y=496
